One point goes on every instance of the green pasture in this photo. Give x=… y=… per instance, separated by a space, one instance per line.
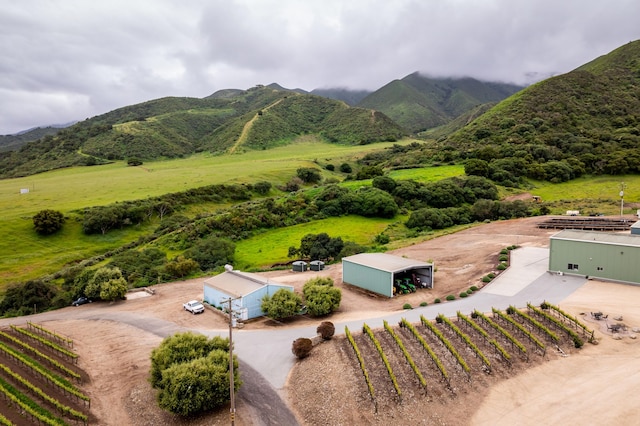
x=269 y=248
x=25 y=255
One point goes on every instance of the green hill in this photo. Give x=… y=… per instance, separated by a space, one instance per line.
x=258 y=118
x=418 y=103
x=588 y=118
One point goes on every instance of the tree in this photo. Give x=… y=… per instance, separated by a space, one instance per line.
x=385 y=183
x=191 y=373
x=107 y=282
x=283 y=304
x=374 y=202
x=181 y=267
x=345 y=168
x=262 y=187
x=212 y=252
x=476 y=167
x=309 y=175
x=320 y=296
x=318 y=246
x=47 y=222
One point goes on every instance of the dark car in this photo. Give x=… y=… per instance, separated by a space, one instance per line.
x=81 y=301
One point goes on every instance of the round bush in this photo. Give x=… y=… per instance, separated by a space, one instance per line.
x=503 y=258
x=504 y=251
x=491 y=275
x=406 y=306
x=502 y=267
x=451 y=297
x=437 y=301
x=301 y=347
x=326 y=330
x=486 y=279
x=473 y=288
x=463 y=294
x=423 y=304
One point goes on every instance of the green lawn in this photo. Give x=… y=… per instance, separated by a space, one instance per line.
x=272 y=247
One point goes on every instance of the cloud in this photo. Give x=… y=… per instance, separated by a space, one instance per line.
x=72 y=59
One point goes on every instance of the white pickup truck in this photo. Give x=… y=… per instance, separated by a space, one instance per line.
x=194 y=307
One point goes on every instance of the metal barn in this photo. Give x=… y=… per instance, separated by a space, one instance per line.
x=601 y=255
x=245 y=288
x=380 y=272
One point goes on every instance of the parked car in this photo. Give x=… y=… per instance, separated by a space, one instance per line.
x=194 y=307
x=81 y=301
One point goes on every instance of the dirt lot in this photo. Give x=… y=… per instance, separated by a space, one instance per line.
x=594 y=385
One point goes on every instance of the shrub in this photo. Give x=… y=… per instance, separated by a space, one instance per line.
x=326 y=330
x=301 y=347
x=503 y=258
x=320 y=296
x=504 y=251
x=511 y=310
x=501 y=267
x=283 y=304
x=407 y=306
x=439 y=319
x=473 y=288
x=437 y=301
x=451 y=297
x=463 y=294
x=47 y=222
x=486 y=279
x=423 y=303
x=491 y=275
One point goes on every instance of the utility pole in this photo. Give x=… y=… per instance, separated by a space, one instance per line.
x=623 y=186
x=232 y=409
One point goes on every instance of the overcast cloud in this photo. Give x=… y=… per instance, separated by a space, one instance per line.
x=67 y=60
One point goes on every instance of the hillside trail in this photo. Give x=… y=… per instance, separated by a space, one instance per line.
x=247 y=126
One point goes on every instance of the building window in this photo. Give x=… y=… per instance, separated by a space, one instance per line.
x=572 y=267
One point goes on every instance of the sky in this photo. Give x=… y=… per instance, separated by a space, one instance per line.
x=68 y=60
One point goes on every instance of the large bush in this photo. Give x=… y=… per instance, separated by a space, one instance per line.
x=283 y=304
x=191 y=373
x=106 y=284
x=47 y=222
x=212 y=252
x=320 y=296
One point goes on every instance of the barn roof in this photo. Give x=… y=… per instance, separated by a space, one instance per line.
x=598 y=237
x=237 y=283
x=386 y=262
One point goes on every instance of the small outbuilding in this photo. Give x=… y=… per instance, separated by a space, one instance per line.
x=386 y=274
x=603 y=255
x=246 y=290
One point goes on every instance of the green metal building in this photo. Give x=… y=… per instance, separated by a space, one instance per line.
x=601 y=255
x=382 y=273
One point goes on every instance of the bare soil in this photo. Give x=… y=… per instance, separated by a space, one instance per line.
x=324 y=388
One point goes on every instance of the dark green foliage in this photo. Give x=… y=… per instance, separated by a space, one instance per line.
x=212 y=252
x=369 y=172
x=309 y=175
x=437 y=300
x=345 y=168
x=374 y=202
x=283 y=304
x=134 y=162
x=430 y=218
x=407 y=306
x=262 y=187
x=330 y=167
x=47 y=222
x=302 y=347
x=28 y=298
x=106 y=284
x=180 y=267
x=139 y=267
x=384 y=183
x=382 y=239
x=318 y=247
x=423 y=303
x=191 y=373
x=321 y=297
x=451 y=297
x=463 y=294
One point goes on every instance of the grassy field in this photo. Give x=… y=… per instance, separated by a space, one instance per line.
x=272 y=247
x=25 y=255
